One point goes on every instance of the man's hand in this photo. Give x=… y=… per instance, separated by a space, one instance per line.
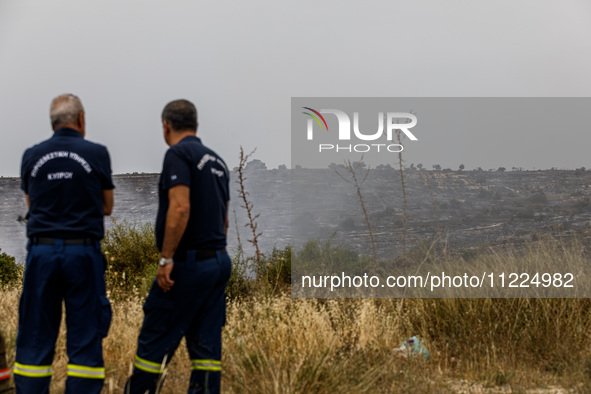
x=163 y=277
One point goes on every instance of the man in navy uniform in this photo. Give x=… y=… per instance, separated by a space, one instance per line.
x=68 y=187
x=188 y=295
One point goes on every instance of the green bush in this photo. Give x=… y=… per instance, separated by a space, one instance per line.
x=277 y=268
x=275 y=275
x=10 y=271
x=132 y=258
x=131 y=255
x=239 y=284
x=317 y=256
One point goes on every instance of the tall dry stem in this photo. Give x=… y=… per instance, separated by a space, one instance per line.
x=239 y=240
x=248 y=206
x=404 y=201
x=351 y=169
x=427 y=179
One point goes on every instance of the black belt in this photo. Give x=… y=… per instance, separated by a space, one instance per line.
x=200 y=254
x=69 y=241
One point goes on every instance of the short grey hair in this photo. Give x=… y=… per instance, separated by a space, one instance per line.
x=64 y=110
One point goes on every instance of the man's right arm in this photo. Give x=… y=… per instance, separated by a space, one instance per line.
x=177 y=218
x=107 y=201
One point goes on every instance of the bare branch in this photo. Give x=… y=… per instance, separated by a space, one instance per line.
x=248 y=206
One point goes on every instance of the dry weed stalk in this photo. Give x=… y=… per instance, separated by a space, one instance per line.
x=427 y=179
x=240 y=248
x=252 y=223
x=404 y=201
x=351 y=169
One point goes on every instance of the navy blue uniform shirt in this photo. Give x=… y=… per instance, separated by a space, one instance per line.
x=64 y=177
x=192 y=164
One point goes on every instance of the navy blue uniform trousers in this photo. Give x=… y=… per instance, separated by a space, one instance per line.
x=194 y=308
x=75 y=274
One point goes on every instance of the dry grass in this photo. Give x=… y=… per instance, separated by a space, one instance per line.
x=283 y=345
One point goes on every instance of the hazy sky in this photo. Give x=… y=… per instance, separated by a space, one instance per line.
x=241 y=61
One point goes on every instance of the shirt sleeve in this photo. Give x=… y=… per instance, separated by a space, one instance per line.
x=226 y=184
x=25 y=172
x=228 y=187
x=175 y=171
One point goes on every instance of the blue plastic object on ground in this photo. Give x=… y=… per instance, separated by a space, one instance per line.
x=416 y=346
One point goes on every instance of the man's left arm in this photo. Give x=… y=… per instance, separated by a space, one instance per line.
x=177 y=218
x=103 y=166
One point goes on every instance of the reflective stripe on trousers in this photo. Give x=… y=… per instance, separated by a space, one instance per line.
x=206 y=365
x=149 y=366
x=33 y=371
x=4 y=374
x=81 y=371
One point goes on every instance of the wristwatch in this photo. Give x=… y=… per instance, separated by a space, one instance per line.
x=164 y=261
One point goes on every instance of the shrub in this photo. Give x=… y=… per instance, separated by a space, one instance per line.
x=277 y=268
x=274 y=277
x=538 y=198
x=324 y=257
x=525 y=213
x=426 y=251
x=583 y=204
x=239 y=284
x=10 y=271
x=132 y=256
x=348 y=224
